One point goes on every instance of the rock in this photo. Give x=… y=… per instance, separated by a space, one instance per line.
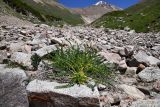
x=126 y=52
x=3 y=55
x=60 y=41
x=16 y=47
x=122 y=66
x=111 y=57
x=149 y=74
x=13 y=93
x=45 y=94
x=3 y=46
x=27 y=49
x=146 y=103
x=23 y=32
x=46 y=50
x=21 y=58
x=156 y=86
x=101 y=87
x=156 y=48
x=140 y=68
x=107 y=99
x=142 y=58
x=132 y=91
x=131 y=71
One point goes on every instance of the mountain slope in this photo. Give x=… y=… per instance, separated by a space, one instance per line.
x=94 y=12
x=143 y=17
x=45 y=10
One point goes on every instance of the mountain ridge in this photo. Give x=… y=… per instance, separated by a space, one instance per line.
x=48 y=11
x=95 y=11
x=142 y=17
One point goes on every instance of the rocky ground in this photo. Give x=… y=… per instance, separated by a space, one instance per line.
x=137 y=56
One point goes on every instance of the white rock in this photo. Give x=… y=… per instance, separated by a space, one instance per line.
x=132 y=91
x=21 y=58
x=75 y=95
x=46 y=50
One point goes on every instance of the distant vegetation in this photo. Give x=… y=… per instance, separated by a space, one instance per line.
x=49 y=13
x=142 y=17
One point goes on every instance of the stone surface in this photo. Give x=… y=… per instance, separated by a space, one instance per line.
x=142 y=57
x=156 y=86
x=132 y=91
x=146 y=103
x=111 y=57
x=149 y=74
x=21 y=58
x=16 y=47
x=46 y=50
x=131 y=71
x=44 y=94
x=13 y=93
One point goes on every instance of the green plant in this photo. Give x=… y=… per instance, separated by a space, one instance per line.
x=35 y=61
x=78 y=66
x=79 y=77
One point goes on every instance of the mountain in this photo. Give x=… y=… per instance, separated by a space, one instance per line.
x=49 y=11
x=95 y=11
x=142 y=17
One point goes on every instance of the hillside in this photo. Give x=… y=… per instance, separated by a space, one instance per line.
x=95 y=11
x=142 y=17
x=48 y=11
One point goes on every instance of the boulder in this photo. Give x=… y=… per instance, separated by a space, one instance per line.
x=149 y=74
x=13 y=93
x=146 y=103
x=46 y=50
x=111 y=57
x=131 y=71
x=47 y=94
x=142 y=58
x=21 y=58
x=132 y=91
x=16 y=47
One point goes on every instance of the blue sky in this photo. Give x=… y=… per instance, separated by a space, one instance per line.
x=85 y=3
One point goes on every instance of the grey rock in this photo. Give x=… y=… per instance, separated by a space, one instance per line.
x=46 y=50
x=142 y=57
x=156 y=48
x=13 y=93
x=3 y=55
x=131 y=71
x=156 y=86
x=111 y=57
x=132 y=91
x=16 y=47
x=75 y=96
x=146 y=103
x=21 y=58
x=149 y=74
